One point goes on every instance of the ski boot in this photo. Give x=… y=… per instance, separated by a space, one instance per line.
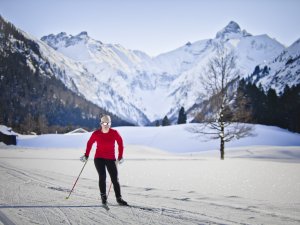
x=122 y=202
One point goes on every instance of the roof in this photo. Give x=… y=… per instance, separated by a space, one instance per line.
x=78 y=131
x=7 y=130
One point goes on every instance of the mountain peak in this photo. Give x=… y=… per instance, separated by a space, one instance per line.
x=232 y=30
x=61 y=34
x=83 y=35
x=188 y=44
x=64 y=39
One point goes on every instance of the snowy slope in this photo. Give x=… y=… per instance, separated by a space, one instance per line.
x=183 y=67
x=77 y=77
x=253 y=185
x=282 y=70
x=167 y=138
x=111 y=66
x=35 y=182
x=94 y=54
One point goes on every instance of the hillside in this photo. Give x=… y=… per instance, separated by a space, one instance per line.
x=32 y=98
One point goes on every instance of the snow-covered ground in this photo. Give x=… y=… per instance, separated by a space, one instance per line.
x=173 y=139
x=257 y=183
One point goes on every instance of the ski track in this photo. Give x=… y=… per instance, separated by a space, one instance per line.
x=19 y=204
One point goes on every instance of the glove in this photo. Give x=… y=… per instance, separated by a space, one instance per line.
x=84 y=158
x=120 y=161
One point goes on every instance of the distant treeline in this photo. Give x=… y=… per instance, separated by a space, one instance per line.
x=254 y=105
x=270 y=109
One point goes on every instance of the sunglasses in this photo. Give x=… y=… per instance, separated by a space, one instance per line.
x=105 y=123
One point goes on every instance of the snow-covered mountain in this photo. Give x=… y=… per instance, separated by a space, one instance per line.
x=88 y=79
x=87 y=73
x=109 y=69
x=40 y=87
x=141 y=89
x=284 y=69
x=157 y=86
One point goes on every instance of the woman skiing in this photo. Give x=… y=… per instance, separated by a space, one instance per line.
x=105 y=157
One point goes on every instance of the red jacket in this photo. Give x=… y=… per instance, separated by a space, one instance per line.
x=105 y=144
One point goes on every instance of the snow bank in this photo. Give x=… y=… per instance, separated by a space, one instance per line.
x=174 y=139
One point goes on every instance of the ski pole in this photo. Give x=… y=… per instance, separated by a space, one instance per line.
x=117 y=163
x=109 y=189
x=77 y=179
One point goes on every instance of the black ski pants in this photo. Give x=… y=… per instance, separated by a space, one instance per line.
x=101 y=166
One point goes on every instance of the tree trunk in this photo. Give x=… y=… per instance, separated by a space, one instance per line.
x=222 y=134
x=222 y=146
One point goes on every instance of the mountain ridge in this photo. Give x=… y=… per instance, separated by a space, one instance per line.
x=141 y=89
x=168 y=76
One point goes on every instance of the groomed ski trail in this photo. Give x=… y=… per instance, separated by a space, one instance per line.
x=37 y=196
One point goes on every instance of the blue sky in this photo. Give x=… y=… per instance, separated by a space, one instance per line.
x=154 y=26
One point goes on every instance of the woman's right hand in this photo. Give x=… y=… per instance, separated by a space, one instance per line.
x=83 y=158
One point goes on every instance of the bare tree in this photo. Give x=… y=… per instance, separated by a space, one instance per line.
x=220 y=119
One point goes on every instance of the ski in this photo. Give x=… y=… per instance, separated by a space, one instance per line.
x=118 y=205
x=124 y=205
x=106 y=207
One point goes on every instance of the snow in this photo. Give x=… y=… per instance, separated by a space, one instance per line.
x=283 y=71
x=170 y=182
x=157 y=103
x=163 y=138
x=7 y=130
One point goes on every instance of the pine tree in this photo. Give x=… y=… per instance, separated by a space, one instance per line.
x=272 y=107
x=157 y=123
x=181 y=116
x=256 y=70
x=289 y=108
x=165 y=121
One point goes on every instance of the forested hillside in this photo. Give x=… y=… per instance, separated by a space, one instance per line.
x=32 y=99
